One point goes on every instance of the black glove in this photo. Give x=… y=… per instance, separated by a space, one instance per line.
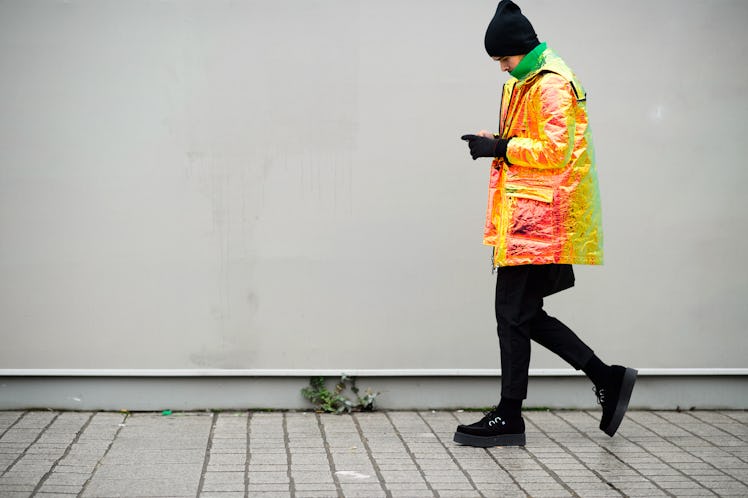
x=486 y=147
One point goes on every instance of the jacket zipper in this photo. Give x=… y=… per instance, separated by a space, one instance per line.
x=502 y=127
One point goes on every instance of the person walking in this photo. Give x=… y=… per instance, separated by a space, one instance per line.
x=543 y=217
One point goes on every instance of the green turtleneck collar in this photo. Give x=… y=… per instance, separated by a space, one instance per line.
x=529 y=63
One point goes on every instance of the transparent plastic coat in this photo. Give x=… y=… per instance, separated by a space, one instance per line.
x=544 y=205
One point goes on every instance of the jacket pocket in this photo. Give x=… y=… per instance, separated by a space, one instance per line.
x=530 y=215
x=535 y=193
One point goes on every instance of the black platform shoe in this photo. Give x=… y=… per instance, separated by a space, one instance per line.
x=614 y=397
x=492 y=430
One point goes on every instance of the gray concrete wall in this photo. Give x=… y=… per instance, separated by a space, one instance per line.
x=254 y=185
x=147 y=393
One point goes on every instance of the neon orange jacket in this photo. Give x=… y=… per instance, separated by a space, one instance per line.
x=544 y=204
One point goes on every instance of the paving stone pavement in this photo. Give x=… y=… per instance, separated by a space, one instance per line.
x=379 y=454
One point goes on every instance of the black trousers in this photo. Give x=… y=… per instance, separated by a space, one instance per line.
x=520 y=317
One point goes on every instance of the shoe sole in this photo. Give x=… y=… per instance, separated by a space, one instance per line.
x=624 y=396
x=489 y=441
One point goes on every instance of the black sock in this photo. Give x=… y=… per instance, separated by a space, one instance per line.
x=597 y=371
x=510 y=407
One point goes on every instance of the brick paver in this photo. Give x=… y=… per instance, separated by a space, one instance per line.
x=379 y=454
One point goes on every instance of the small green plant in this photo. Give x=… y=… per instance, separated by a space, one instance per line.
x=336 y=401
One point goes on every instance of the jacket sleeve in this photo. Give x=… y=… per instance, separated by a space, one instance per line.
x=552 y=125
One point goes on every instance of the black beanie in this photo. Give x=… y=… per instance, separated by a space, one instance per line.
x=509 y=33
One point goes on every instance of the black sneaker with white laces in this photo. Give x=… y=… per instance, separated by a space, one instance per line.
x=614 y=397
x=492 y=430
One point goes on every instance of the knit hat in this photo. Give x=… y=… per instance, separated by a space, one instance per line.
x=509 y=33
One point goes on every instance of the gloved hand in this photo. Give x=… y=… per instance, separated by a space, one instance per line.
x=486 y=147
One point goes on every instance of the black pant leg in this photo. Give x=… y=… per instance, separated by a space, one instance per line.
x=517 y=303
x=521 y=318
x=557 y=337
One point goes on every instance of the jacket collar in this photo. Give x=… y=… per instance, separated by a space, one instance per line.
x=530 y=63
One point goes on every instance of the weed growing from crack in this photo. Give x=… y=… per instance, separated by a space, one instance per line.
x=336 y=401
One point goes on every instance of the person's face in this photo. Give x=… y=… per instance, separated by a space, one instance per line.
x=508 y=62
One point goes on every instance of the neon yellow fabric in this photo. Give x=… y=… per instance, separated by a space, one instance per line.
x=544 y=204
